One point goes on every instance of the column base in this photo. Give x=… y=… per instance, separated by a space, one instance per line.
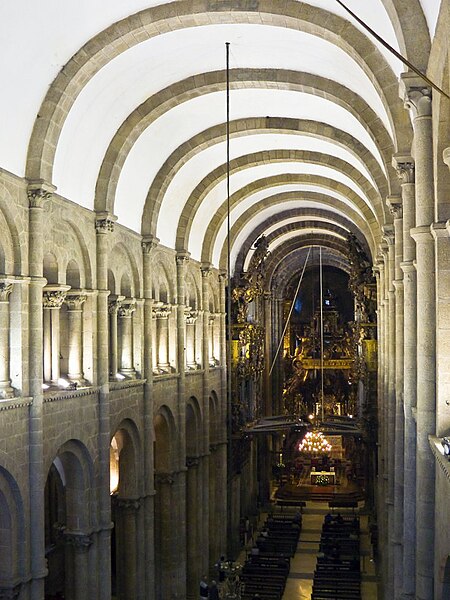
x=128 y=373
x=192 y=366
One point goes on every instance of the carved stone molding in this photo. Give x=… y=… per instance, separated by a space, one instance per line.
x=80 y=542
x=127 y=308
x=39 y=192
x=206 y=269
x=394 y=203
x=404 y=167
x=388 y=234
x=5 y=290
x=192 y=461
x=104 y=223
x=416 y=95
x=149 y=243
x=129 y=504
x=54 y=296
x=190 y=316
x=161 y=310
x=75 y=301
x=165 y=478
x=182 y=258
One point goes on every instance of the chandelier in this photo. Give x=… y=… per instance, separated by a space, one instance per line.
x=314 y=443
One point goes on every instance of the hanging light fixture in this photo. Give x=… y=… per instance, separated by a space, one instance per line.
x=315 y=444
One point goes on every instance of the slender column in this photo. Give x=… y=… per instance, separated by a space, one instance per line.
x=6 y=390
x=443 y=326
x=192 y=548
x=125 y=315
x=53 y=299
x=268 y=408
x=162 y=312
x=114 y=303
x=38 y=193
x=191 y=318
x=418 y=101
x=149 y=244
x=404 y=166
x=395 y=208
x=104 y=226
x=75 y=301
x=182 y=259
x=211 y=338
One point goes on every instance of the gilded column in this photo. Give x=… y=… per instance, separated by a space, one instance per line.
x=6 y=390
x=418 y=100
x=74 y=301
x=38 y=193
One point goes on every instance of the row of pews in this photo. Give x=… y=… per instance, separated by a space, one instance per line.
x=267 y=566
x=338 y=574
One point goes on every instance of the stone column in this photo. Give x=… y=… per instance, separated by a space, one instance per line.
x=104 y=226
x=149 y=244
x=443 y=326
x=395 y=208
x=6 y=390
x=114 y=303
x=125 y=315
x=54 y=296
x=404 y=166
x=38 y=193
x=191 y=318
x=126 y=539
x=77 y=565
x=74 y=301
x=418 y=100
x=268 y=354
x=213 y=362
x=162 y=312
x=192 y=507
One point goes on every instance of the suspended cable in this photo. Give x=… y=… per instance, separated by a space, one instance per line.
x=290 y=313
x=392 y=50
x=321 y=329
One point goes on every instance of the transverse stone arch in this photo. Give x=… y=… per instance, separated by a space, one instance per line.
x=199 y=194
x=89 y=60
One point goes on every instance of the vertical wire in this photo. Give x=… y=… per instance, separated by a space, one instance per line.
x=230 y=340
x=321 y=329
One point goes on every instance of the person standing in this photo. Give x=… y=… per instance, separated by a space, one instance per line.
x=204 y=588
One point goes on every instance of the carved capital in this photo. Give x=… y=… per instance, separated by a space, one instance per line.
x=148 y=243
x=161 y=310
x=53 y=297
x=223 y=276
x=164 y=478
x=182 y=258
x=388 y=235
x=5 y=290
x=104 y=223
x=192 y=461
x=190 y=316
x=394 y=203
x=404 y=167
x=39 y=192
x=75 y=301
x=129 y=504
x=80 y=542
x=114 y=303
x=127 y=308
x=206 y=269
x=416 y=95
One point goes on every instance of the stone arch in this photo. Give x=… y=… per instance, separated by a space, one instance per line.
x=193 y=427
x=70 y=518
x=208 y=183
x=150 y=22
x=14 y=234
x=245 y=127
x=214 y=417
x=165 y=436
x=84 y=258
x=163 y=279
x=301 y=214
x=192 y=294
x=122 y=263
x=12 y=531
x=73 y=275
x=7 y=262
